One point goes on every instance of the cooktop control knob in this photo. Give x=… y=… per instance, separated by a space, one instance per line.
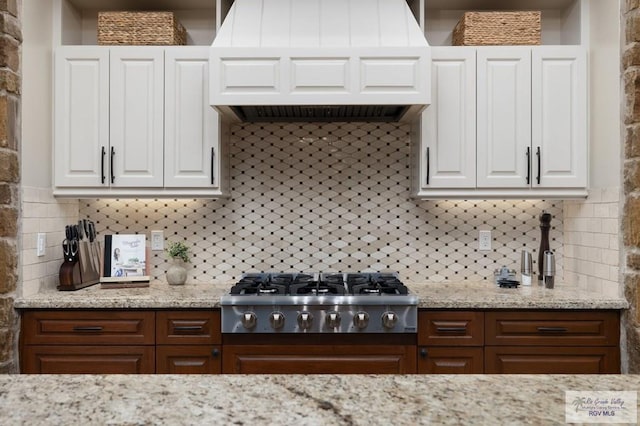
x=305 y=319
x=249 y=320
x=389 y=320
x=361 y=320
x=277 y=320
x=333 y=319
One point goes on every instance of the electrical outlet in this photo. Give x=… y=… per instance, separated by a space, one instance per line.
x=484 y=241
x=41 y=244
x=157 y=240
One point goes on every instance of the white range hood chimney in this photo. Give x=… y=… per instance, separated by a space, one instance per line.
x=320 y=60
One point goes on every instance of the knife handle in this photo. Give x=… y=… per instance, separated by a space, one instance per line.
x=104 y=152
x=113 y=154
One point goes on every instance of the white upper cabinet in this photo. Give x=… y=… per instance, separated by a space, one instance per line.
x=81 y=117
x=505 y=121
x=559 y=117
x=504 y=117
x=530 y=122
x=136 y=119
x=448 y=126
x=191 y=126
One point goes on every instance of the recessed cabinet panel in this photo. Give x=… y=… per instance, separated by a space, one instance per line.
x=504 y=117
x=191 y=124
x=136 y=126
x=81 y=115
x=449 y=123
x=558 y=116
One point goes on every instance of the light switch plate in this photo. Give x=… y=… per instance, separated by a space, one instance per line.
x=484 y=241
x=41 y=244
x=157 y=240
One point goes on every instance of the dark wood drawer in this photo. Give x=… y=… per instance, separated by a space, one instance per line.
x=450 y=328
x=188 y=359
x=318 y=359
x=46 y=359
x=188 y=327
x=441 y=360
x=90 y=327
x=552 y=328
x=551 y=360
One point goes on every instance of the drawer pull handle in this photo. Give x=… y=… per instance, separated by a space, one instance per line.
x=187 y=328
x=89 y=328
x=451 y=329
x=423 y=352
x=552 y=329
x=215 y=353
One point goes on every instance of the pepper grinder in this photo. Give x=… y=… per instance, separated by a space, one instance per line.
x=545 y=225
x=549 y=266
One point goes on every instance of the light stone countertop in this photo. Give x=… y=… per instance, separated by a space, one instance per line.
x=446 y=295
x=295 y=399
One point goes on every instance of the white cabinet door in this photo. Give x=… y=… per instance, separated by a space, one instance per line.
x=448 y=137
x=504 y=117
x=559 y=117
x=137 y=109
x=81 y=116
x=192 y=154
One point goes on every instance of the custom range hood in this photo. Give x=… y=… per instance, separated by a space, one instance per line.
x=320 y=60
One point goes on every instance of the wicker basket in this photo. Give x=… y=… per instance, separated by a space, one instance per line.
x=140 y=28
x=497 y=28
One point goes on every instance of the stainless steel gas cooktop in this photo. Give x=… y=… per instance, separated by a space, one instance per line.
x=319 y=303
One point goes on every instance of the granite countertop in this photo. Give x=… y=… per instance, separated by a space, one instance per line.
x=446 y=295
x=295 y=399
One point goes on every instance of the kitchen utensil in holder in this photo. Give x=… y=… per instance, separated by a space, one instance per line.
x=549 y=269
x=81 y=268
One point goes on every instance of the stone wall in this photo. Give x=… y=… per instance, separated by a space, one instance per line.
x=631 y=178
x=10 y=41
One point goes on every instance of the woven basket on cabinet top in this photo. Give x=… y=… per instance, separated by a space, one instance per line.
x=497 y=29
x=140 y=28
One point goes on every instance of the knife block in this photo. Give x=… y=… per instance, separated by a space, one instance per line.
x=84 y=270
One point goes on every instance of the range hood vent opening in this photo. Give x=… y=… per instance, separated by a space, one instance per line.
x=320 y=60
x=298 y=113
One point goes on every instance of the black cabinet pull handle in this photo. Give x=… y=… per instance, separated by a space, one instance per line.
x=104 y=152
x=113 y=154
x=187 y=328
x=552 y=329
x=539 y=165
x=428 y=166
x=215 y=353
x=213 y=157
x=423 y=352
x=451 y=329
x=87 y=328
x=528 y=165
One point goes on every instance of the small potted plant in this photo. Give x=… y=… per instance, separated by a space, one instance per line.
x=179 y=253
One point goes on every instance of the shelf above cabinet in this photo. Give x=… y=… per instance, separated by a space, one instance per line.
x=76 y=21
x=564 y=22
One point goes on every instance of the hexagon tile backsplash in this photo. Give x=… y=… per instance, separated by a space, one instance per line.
x=330 y=197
